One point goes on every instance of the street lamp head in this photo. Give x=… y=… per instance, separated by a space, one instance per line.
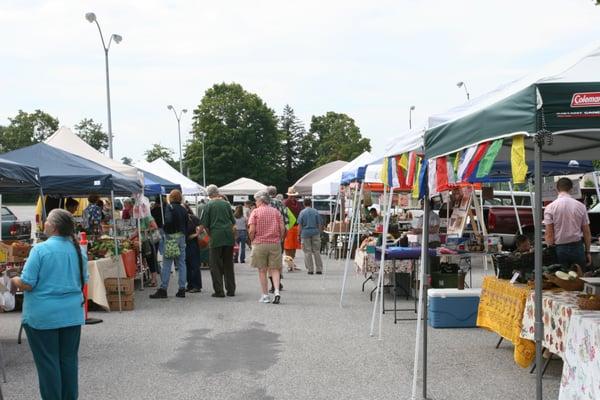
x=460 y=84
x=169 y=107
x=91 y=17
x=117 y=38
x=412 y=108
x=184 y=110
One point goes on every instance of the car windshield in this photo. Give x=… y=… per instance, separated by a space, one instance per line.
x=5 y=212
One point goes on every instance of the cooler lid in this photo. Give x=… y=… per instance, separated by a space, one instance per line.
x=454 y=293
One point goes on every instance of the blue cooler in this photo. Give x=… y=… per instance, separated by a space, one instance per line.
x=453 y=308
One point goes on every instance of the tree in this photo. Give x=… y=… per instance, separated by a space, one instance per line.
x=241 y=139
x=295 y=142
x=26 y=129
x=91 y=132
x=126 y=160
x=159 y=151
x=338 y=138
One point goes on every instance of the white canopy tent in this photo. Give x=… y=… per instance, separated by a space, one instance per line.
x=242 y=186
x=161 y=168
x=64 y=139
x=329 y=185
x=304 y=184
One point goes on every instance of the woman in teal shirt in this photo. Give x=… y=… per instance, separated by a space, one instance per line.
x=52 y=281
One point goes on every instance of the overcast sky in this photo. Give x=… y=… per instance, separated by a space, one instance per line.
x=371 y=60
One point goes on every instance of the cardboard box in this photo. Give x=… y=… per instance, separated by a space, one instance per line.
x=10 y=253
x=338 y=227
x=112 y=285
x=126 y=305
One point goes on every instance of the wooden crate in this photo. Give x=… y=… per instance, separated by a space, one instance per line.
x=126 y=305
x=10 y=253
x=114 y=297
x=112 y=285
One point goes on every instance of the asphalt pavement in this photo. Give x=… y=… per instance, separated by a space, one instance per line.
x=305 y=348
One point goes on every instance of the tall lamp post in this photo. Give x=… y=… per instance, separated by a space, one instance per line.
x=178 y=117
x=462 y=84
x=91 y=17
x=410 y=110
x=203 y=164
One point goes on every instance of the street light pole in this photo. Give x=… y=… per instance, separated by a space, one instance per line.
x=462 y=84
x=203 y=164
x=410 y=110
x=178 y=117
x=91 y=17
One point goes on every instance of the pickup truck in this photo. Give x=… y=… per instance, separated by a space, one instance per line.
x=502 y=221
x=12 y=228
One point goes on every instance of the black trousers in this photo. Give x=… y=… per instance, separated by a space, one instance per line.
x=221 y=265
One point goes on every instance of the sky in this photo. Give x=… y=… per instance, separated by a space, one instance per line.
x=370 y=60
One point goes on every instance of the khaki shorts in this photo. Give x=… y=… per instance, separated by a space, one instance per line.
x=266 y=256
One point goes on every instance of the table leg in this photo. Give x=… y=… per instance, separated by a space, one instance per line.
x=499 y=342
x=370 y=278
x=20 y=334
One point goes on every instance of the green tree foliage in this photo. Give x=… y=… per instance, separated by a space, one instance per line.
x=126 y=160
x=295 y=142
x=26 y=129
x=241 y=139
x=91 y=132
x=338 y=138
x=159 y=151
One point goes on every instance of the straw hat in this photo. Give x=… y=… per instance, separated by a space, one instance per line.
x=292 y=192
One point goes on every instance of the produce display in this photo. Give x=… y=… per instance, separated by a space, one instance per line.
x=105 y=247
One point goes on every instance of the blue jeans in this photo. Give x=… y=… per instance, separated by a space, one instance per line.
x=192 y=262
x=165 y=274
x=241 y=241
x=571 y=253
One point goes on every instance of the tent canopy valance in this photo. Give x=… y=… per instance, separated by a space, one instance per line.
x=64 y=173
x=242 y=186
x=18 y=178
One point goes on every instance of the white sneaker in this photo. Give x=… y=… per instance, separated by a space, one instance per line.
x=265 y=298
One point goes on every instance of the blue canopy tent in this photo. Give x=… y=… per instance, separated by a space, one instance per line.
x=67 y=174
x=18 y=178
x=154 y=184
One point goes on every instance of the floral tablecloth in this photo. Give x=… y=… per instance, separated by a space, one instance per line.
x=501 y=308
x=367 y=263
x=581 y=368
x=558 y=308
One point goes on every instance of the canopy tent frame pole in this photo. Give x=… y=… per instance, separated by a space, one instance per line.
x=353 y=226
x=0 y=216
x=514 y=203
x=539 y=326
x=388 y=214
x=595 y=174
x=425 y=279
x=114 y=224
x=139 y=226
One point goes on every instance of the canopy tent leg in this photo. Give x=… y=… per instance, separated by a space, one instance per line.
x=114 y=224
x=425 y=273
x=539 y=326
x=353 y=226
x=597 y=187
x=0 y=216
x=388 y=214
x=381 y=269
x=512 y=197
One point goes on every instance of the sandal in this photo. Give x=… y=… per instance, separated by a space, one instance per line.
x=151 y=284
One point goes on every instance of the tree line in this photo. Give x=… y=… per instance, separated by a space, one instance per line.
x=242 y=137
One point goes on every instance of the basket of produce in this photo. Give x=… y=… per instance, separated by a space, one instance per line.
x=588 y=302
x=567 y=281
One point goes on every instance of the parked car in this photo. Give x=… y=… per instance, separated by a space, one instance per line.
x=12 y=228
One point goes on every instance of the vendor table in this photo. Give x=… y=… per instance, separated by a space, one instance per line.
x=501 y=310
x=581 y=368
x=99 y=270
x=336 y=237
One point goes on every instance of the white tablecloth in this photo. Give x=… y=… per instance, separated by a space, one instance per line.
x=99 y=270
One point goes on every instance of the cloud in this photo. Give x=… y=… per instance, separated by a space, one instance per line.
x=370 y=60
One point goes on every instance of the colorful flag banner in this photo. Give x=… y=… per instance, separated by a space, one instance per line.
x=450 y=170
x=517 y=159
x=465 y=161
x=416 y=186
x=472 y=167
x=486 y=163
x=412 y=166
x=403 y=161
x=441 y=174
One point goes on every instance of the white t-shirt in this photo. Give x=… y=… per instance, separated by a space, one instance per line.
x=7 y=300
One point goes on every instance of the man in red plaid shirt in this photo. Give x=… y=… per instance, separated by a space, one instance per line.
x=266 y=231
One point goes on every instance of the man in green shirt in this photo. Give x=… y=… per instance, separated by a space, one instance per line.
x=218 y=221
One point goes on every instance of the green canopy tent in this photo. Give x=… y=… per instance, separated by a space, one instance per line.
x=558 y=109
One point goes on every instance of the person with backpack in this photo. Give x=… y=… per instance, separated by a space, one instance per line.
x=175 y=227
x=52 y=281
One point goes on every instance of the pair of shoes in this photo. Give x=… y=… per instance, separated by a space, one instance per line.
x=272 y=290
x=189 y=289
x=194 y=290
x=319 y=272
x=265 y=298
x=310 y=272
x=159 y=294
x=276 y=299
x=180 y=293
x=230 y=294
x=218 y=295
x=243 y=261
x=151 y=284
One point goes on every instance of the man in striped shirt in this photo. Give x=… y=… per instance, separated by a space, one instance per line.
x=266 y=231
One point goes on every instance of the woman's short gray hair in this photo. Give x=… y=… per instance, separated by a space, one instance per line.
x=212 y=190
x=272 y=191
x=262 y=196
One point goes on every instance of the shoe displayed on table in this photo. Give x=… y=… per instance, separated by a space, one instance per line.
x=195 y=290
x=319 y=272
x=265 y=298
x=159 y=294
x=180 y=293
x=277 y=298
x=218 y=295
